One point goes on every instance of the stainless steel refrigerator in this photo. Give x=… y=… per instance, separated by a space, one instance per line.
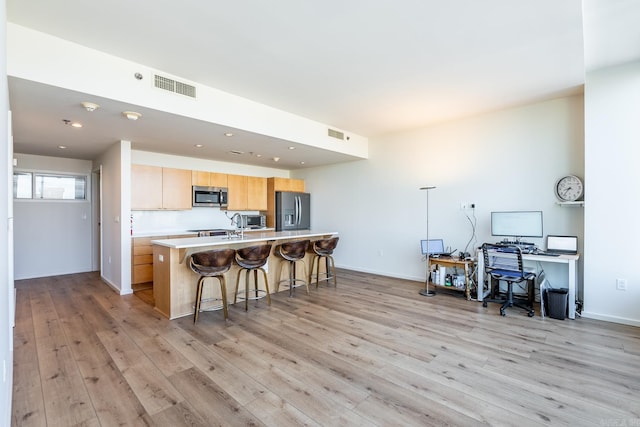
x=292 y=211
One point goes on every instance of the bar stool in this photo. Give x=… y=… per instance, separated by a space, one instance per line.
x=323 y=248
x=292 y=252
x=213 y=263
x=252 y=258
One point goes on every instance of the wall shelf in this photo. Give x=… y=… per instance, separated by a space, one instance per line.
x=576 y=203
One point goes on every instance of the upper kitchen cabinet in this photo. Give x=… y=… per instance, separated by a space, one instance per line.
x=247 y=193
x=146 y=187
x=209 y=179
x=154 y=188
x=286 y=184
x=176 y=189
x=237 y=196
x=256 y=193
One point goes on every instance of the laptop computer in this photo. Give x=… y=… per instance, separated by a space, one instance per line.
x=562 y=245
x=434 y=247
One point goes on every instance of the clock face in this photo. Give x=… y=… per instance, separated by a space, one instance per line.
x=569 y=188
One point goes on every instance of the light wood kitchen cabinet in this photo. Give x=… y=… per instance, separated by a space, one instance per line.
x=142 y=257
x=247 y=193
x=209 y=179
x=156 y=188
x=237 y=197
x=146 y=187
x=256 y=193
x=176 y=188
x=288 y=184
x=279 y=184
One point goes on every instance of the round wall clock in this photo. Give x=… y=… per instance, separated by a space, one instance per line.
x=569 y=188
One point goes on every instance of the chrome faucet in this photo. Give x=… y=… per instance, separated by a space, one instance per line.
x=237 y=219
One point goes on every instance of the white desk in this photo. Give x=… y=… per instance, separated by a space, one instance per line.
x=570 y=260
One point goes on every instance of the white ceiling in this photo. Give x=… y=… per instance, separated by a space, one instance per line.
x=371 y=67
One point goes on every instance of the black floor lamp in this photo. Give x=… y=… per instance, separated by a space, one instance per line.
x=426 y=292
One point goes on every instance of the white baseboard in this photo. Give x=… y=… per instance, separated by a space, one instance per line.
x=382 y=273
x=614 y=319
x=115 y=287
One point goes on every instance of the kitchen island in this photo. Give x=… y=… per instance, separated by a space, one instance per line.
x=174 y=283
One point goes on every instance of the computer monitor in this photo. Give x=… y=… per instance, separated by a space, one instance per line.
x=432 y=246
x=516 y=224
x=562 y=244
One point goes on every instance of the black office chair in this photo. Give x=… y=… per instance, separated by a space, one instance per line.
x=504 y=262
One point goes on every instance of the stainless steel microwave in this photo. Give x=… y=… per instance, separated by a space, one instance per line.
x=254 y=221
x=209 y=196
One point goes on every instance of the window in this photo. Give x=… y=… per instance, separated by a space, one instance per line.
x=28 y=185
x=22 y=185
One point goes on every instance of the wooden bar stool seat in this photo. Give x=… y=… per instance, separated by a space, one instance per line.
x=291 y=253
x=252 y=258
x=213 y=263
x=323 y=249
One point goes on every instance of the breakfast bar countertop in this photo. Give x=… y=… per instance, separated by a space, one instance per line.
x=253 y=236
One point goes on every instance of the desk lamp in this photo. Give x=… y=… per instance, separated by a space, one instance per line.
x=426 y=292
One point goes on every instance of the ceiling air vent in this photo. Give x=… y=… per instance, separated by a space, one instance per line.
x=174 y=86
x=336 y=134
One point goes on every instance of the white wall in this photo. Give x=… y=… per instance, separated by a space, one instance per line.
x=6 y=240
x=507 y=160
x=115 y=224
x=52 y=237
x=43 y=58
x=612 y=137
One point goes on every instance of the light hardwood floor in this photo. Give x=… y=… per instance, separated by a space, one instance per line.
x=370 y=352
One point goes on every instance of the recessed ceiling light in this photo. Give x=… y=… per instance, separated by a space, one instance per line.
x=228 y=134
x=131 y=115
x=276 y=159
x=236 y=152
x=258 y=155
x=198 y=145
x=302 y=163
x=292 y=148
x=90 y=106
x=62 y=147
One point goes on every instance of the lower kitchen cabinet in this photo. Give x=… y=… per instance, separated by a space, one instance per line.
x=142 y=257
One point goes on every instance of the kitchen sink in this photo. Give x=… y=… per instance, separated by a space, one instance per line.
x=212 y=232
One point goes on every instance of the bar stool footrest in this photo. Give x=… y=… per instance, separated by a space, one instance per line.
x=261 y=294
x=209 y=308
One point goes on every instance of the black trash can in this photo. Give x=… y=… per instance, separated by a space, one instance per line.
x=557 y=299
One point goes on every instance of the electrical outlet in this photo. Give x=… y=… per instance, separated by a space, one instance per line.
x=621 y=284
x=467 y=205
